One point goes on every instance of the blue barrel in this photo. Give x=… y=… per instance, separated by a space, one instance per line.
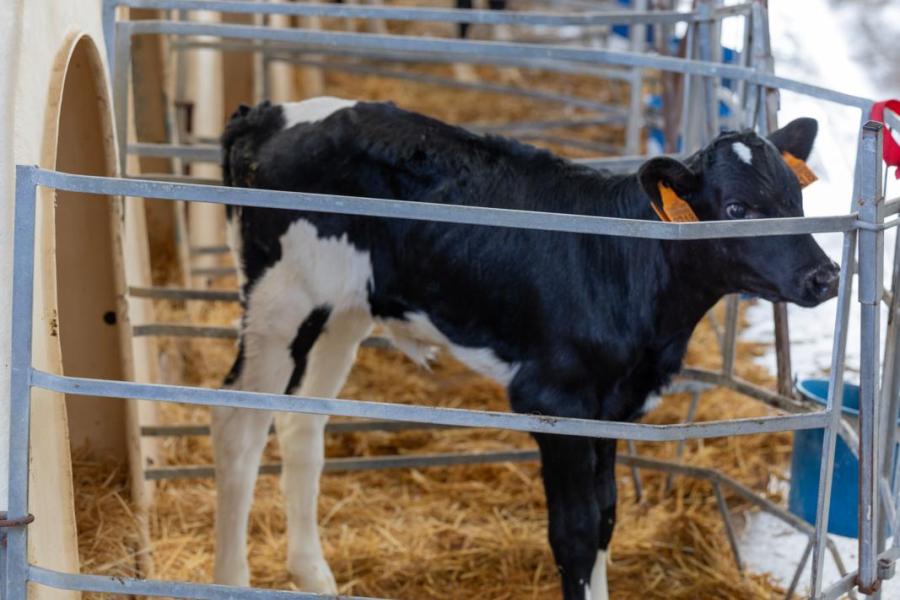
x=806 y=461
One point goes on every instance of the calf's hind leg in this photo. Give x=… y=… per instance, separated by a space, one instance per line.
x=239 y=436
x=320 y=370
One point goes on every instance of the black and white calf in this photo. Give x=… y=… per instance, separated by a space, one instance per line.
x=573 y=325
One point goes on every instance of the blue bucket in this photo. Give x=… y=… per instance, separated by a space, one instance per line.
x=806 y=460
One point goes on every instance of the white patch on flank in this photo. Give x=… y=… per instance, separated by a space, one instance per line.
x=314 y=109
x=416 y=336
x=743 y=151
x=598 y=587
x=322 y=271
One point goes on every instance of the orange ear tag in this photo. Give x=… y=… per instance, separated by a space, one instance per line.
x=674 y=209
x=800 y=169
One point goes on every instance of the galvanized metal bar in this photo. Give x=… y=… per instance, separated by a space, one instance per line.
x=399 y=209
x=192 y=153
x=165 y=293
x=331 y=427
x=206 y=250
x=481 y=86
x=16 y=555
x=213 y=152
x=729 y=525
x=871 y=255
x=179 y=330
x=364 y=463
x=108 y=19
x=635 y=474
x=120 y=88
x=213 y=271
x=176 y=178
x=487 y=50
x=689 y=418
x=340 y=427
x=687 y=91
x=710 y=96
x=285 y=50
x=890 y=392
x=891 y=120
x=172 y=589
x=795 y=580
x=218 y=332
x=426 y=414
x=746 y=388
x=634 y=126
x=729 y=342
x=474 y=16
x=833 y=404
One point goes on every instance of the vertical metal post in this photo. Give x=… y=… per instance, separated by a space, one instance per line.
x=109 y=32
x=890 y=393
x=871 y=256
x=730 y=340
x=710 y=84
x=833 y=407
x=15 y=577
x=686 y=97
x=767 y=121
x=122 y=68
x=636 y=83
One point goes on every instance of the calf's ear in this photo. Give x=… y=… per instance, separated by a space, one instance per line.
x=669 y=183
x=796 y=137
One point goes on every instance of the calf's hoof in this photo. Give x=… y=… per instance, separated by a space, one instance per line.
x=313 y=576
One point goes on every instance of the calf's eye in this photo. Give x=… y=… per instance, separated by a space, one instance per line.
x=736 y=210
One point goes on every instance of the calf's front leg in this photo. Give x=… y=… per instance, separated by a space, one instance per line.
x=577 y=522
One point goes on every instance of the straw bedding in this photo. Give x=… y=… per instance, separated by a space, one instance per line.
x=442 y=533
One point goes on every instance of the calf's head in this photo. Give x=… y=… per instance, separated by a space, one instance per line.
x=744 y=176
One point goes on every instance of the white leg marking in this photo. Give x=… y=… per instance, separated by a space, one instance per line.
x=314 y=109
x=239 y=437
x=301 y=438
x=743 y=151
x=598 y=588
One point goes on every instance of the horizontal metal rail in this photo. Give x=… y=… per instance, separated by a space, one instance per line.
x=179 y=330
x=176 y=178
x=480 y=17
x=332 y=427
x=171 y=589
x=892 y=120
x=363 y=463
x=487 y=50
x=425 y=211
x=278 y=50
x=205 y=250
x=213 y=271
x=166 y=293
x=534 y=94
x=426 y=414
x=186 y=330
